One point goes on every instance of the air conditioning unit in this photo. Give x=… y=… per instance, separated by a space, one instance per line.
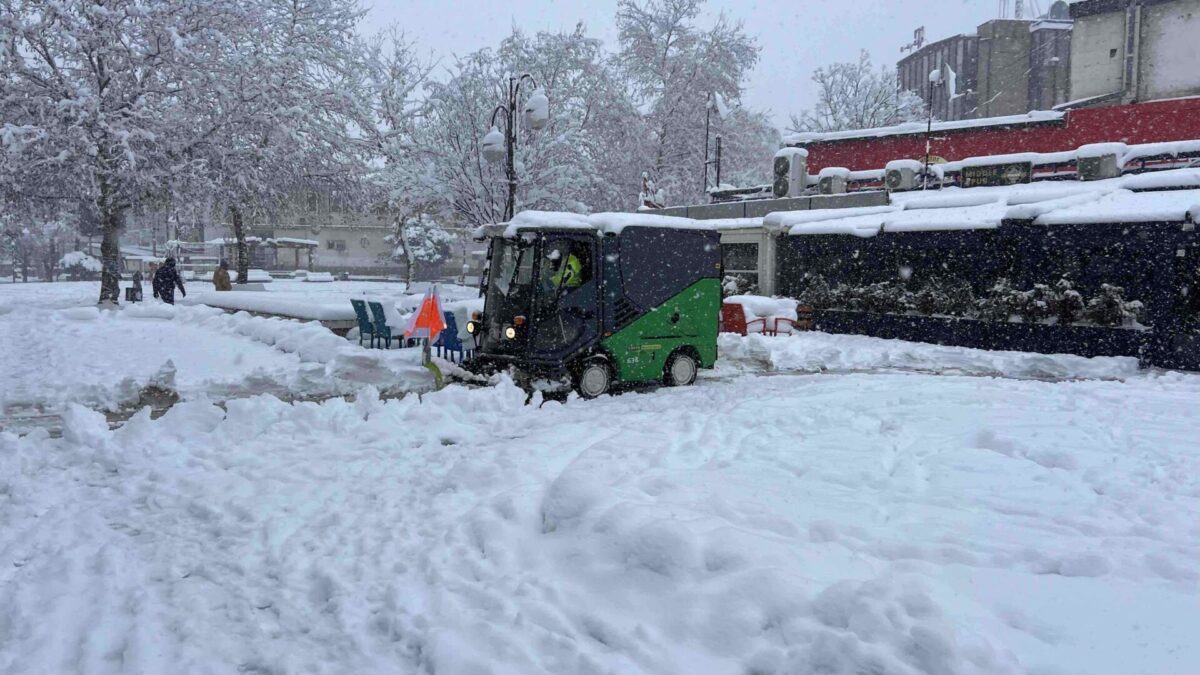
x=902 y=175
x=1099 y=168
x=1100 y=160
x=833 y=180
x=791 y=172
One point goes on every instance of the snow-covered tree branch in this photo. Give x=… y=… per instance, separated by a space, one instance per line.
x=857 y=95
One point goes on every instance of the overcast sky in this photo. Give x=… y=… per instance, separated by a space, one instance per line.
x=796 y=35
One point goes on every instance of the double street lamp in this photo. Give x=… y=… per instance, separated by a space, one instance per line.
x=496 y=145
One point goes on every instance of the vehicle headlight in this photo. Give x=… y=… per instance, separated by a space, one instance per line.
x=472 y=327
x=510 y=332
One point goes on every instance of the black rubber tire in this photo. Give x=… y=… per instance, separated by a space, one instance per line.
x=594 y=379
x=681 y=370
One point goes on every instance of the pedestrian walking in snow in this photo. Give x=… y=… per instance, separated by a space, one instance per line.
x=134 y=293
x=221 y=278
x=165 y=281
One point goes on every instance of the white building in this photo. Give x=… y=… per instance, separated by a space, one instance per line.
x=1135 y=50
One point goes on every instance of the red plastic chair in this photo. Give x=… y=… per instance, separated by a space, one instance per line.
x=782 y=324
x=733 y=319
x=775 y=326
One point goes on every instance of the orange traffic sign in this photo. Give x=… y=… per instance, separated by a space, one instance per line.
x=428 y=322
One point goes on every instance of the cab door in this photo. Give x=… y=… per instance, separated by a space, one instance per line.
x=566 y=316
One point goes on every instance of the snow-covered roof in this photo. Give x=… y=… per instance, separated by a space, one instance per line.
x=1181 y=178
x=292 y=241
x=919 y=127
x=1166 y=149
x=1124 y=206
x=297 y=242
x=603 y=223
x=1176 y=197
x=1035 y=158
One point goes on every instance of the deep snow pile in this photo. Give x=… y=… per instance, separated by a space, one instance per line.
x=327 y=302
x=815 y=352
x=56 y=352
x=762 y=307
x=881 y=523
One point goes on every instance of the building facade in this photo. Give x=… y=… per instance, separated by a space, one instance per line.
x=1007 y=67
x=1049 y=63
x=959 y=54
x=1134 y=50
x=1003 y=68
x=1150 y=122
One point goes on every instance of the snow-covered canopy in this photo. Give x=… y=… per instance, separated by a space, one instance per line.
x=919 y=127
x=80 y=259
x=292 y=241
x=270 y=241
x=1176 y=198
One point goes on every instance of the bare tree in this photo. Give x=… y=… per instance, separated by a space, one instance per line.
x=297 y=93
x=98 y=99
x=122 y=101
x=857 y=96
x=675 y=65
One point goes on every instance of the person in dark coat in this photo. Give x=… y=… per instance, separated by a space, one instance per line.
x=136 y=288
x=165 y=281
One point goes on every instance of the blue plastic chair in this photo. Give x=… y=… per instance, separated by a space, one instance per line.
x=365 y=327
x=449 y=341
x=383 y=332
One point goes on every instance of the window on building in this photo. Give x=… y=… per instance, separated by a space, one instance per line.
x=364 y=242
x=335 y=244
x=741 y=261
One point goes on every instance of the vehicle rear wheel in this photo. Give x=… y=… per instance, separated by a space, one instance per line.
x=594 y=379
x=681 y=370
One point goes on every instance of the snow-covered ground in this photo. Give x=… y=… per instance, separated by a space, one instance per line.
x=872 y=506
x=884 y=523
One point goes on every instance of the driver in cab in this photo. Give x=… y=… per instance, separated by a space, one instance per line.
x=569 y=273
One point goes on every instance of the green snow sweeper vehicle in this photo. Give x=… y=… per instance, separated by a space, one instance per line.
x=590 y=302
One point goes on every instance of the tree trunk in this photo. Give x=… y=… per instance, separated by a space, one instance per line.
x=50 y=260
x=110 y=258
x=408 y=257
x=110 y=243
x=239 y=234
x=24 y=264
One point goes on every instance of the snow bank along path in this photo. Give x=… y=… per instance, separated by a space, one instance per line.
x=103 y=358
x=816 y=352
x=882 y=523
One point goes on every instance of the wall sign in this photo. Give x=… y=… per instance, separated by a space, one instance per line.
x=996 y=174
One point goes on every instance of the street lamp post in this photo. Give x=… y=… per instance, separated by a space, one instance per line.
x=497 y=146
x=935 y=78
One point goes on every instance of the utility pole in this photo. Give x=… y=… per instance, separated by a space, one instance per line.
x=707 y=123
x=718 y=161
